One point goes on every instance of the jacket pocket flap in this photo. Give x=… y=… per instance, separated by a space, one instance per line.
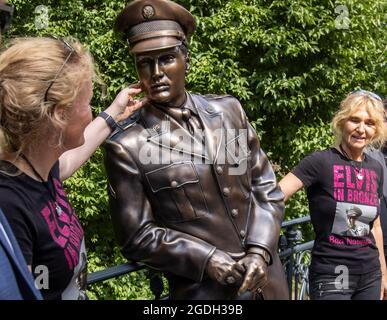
x=172 y=176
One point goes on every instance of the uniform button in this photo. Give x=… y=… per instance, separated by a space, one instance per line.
x=156 y=127
x=174 y=184
x=210 y=109
x=234 y=212
x=219 y=170
x=226 y=192
x=230 y=280
x=243 y=233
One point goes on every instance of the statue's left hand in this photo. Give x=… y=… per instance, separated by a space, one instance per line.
x=256 y=273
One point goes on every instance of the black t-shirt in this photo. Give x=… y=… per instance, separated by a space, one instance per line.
x=343 y=202
x=52 y=241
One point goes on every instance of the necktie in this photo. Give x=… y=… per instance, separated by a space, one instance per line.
x=192 y=124
x=188 y=119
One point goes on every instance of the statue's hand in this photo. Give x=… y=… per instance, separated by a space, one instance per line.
x=223 y=269
x=256 y=273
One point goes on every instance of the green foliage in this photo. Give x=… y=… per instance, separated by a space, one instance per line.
x=287 y=61
x=134 y=286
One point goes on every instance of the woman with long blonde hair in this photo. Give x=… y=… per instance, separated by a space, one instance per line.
x=46 y=134
x=343 y=187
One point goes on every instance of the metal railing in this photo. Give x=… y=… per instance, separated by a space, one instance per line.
x=294 y=254
x=295 y=257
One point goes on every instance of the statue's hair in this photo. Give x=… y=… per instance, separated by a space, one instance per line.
x=184 y=48
x=349 y=106
x=27 y=67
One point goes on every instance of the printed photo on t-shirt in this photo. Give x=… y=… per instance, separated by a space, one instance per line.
x=353 y=219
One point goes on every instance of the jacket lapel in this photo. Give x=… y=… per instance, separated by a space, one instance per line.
x=212 y=124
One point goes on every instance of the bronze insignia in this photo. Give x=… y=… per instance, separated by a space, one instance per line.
x=148 y=12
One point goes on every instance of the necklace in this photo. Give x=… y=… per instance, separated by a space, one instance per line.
x=58 y=209
x=359 y=173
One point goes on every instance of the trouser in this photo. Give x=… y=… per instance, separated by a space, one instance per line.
x=364 y=286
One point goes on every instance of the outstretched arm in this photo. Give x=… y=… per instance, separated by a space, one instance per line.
x=289 y=185
x=98 y=130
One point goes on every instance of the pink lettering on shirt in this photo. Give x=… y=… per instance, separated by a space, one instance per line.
x=337 y=176
x=348 y=187
x=64 y=227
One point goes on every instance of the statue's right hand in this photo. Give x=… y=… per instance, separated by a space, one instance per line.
x=223 y=269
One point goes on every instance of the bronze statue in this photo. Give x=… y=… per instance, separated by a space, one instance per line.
x=186 y=198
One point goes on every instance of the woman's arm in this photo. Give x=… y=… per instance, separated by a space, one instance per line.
x=289 y=185
x=98 y=130
x=378 y=235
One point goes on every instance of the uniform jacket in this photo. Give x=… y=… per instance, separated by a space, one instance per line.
x=16 y=281
x=172 y=213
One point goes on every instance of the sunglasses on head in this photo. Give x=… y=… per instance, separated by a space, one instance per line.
x=71 y=50
x=6 y=12
x=367 y=93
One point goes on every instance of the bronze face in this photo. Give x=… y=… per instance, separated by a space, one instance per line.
x=162 y=75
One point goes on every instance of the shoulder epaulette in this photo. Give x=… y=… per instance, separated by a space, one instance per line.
x=126 y=124
x=216 y=96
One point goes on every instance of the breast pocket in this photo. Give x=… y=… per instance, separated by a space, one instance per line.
x=178 y=191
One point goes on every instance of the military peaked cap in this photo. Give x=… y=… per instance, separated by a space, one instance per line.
x=154 y=24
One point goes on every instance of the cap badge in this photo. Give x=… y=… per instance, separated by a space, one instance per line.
x=148 y=12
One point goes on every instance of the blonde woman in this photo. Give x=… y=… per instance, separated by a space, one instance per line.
x=338 y=181
x=46 y=134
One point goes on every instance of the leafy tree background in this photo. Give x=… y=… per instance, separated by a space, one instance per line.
x=290 y=62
